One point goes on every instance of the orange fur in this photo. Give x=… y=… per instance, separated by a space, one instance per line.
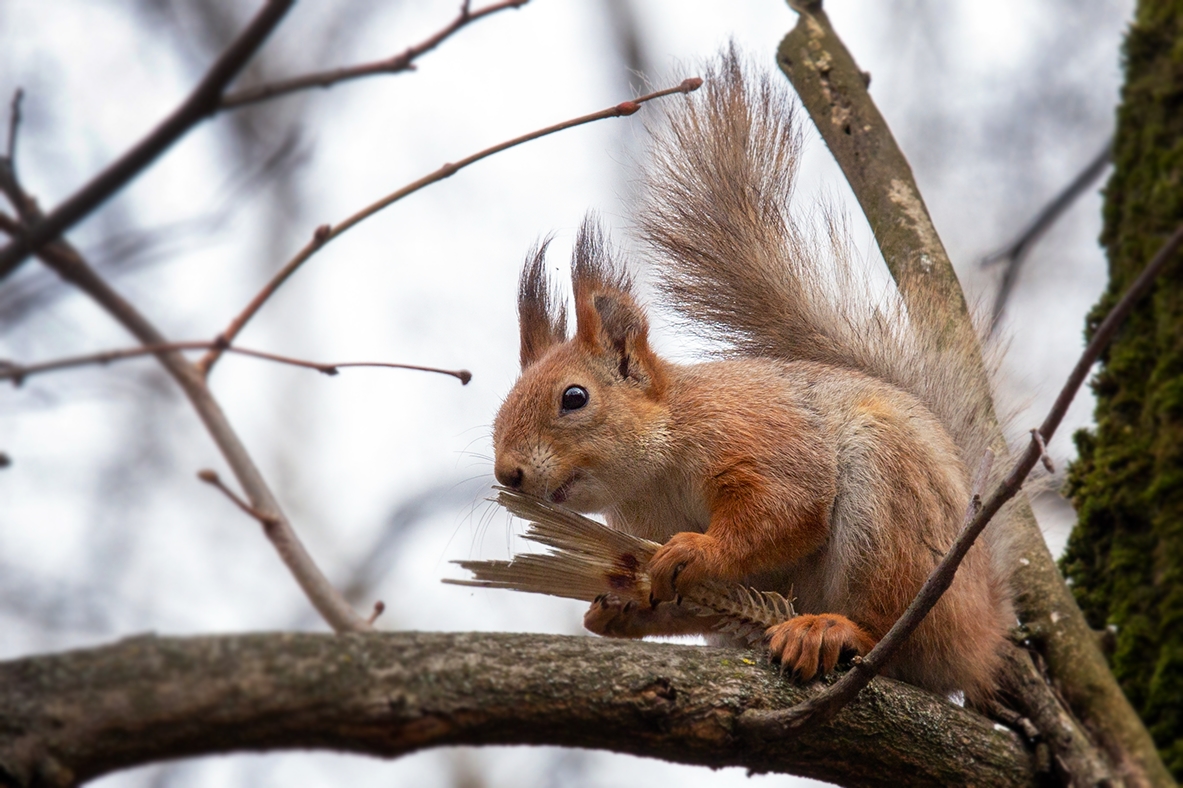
x=827 y=459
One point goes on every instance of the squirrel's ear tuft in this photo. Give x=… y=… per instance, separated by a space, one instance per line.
x=542 y=316
x=609 y=321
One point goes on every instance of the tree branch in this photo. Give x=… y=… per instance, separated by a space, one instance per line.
x=201 y=103
x=14 y=125
x=327 y=233
x=391 y=65
x=74 y=716
x=834 y=92
x=17 y=373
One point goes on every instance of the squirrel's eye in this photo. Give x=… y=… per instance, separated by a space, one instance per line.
x=574 y=398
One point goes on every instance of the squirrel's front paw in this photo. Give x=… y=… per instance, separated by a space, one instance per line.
x=805 y=643
x=609 y=616
x=680 y=563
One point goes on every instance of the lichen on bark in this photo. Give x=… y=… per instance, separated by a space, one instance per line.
x=1125 y=556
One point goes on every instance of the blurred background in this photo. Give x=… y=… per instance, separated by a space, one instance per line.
x=104 y=529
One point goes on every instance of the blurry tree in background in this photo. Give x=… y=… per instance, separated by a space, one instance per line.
x=986 y=159
x=1125 y=557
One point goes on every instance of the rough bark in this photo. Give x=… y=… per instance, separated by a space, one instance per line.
x=1125 y=556
x=834 y=92
x=70 y=717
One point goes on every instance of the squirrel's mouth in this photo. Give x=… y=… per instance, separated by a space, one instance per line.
x=563 y=490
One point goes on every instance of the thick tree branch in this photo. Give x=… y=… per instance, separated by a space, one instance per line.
x=391 y=65
x=74 y=716
x=201 y=103
x=834 y=92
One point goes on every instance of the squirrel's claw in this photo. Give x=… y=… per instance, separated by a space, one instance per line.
x=609 y=616
x=811 y=645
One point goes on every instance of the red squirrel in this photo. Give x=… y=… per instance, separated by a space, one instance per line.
x=824 y=456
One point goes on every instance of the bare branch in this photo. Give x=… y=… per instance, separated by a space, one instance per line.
x=212 y=479
x=17 y=373
x=391 y=65
x=14 y=124
x=26 y=207
x=327 y=233
x=66 y=718
x=826 y=704
x=201 y=103
x=58 y=255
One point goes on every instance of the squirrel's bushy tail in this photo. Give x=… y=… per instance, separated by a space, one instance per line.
x=733 y=261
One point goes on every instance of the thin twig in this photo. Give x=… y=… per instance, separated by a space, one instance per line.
x=14 y=124
x=26 y=207
x=826 y=704
x=391 y=65
x=211 y=478
x=201 y=103
x=379 y=609
x=1016 y=252
x=17 y=373
x=326 y=233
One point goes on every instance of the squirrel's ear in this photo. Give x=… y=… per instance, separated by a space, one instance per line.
x=609 y=321
x=542 y=316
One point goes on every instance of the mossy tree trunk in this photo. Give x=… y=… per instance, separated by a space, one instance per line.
x=1125 y=558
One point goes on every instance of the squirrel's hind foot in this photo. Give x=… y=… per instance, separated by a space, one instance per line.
x=809 y=646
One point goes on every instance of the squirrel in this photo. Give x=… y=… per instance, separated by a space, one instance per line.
x=824 y=456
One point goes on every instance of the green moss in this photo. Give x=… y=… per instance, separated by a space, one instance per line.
x=1125 y=557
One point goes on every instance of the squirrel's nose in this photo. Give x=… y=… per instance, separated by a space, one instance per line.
x=510 y=477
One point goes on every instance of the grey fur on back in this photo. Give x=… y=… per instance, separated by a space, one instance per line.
x=719 y=188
